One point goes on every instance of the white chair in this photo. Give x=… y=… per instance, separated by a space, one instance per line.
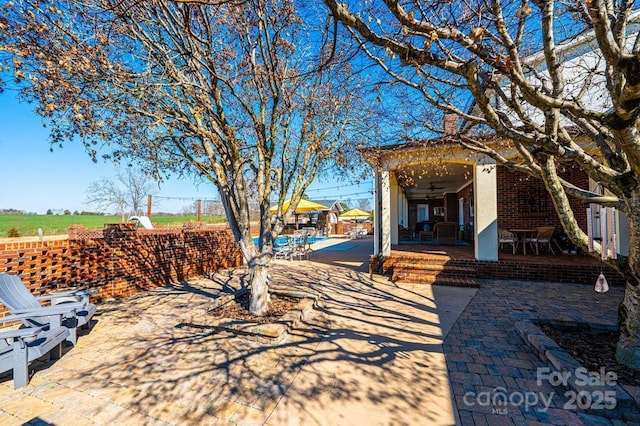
x=284 y=251
x=507 y=237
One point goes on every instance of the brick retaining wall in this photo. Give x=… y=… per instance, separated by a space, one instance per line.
x=119 y=260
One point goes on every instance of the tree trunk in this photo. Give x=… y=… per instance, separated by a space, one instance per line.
x=259 y=282
x=628 y=348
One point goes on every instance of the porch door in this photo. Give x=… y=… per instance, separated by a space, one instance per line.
x=461 y=213
x=423 y=212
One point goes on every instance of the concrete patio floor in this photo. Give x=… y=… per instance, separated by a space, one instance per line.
x=372 y=355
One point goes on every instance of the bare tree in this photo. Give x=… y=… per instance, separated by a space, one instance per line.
x=125 y=194
x=137 y=186
x=240 y=93
x=364 y=204
x=104 y=194
x=509 y=61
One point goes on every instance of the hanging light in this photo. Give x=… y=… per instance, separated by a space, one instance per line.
x=602 y=286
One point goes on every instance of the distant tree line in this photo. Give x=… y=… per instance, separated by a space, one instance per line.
x=67 y=212
x=11 y=211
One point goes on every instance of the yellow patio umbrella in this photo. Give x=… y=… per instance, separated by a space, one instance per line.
x=304 y=206
x=356 y=214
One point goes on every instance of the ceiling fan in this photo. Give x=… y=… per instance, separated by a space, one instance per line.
x=433 y=188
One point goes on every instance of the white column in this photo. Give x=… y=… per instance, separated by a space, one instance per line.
x=385 y=214
x=485 y=206
x=394 y=209
x=377 y=213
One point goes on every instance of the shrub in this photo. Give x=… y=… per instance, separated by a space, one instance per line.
x=13 y=232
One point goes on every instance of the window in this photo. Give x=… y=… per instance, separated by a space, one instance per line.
x=533 y=202
x=423 y=212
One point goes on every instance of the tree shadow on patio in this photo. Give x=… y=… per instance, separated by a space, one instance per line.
x=373 y=351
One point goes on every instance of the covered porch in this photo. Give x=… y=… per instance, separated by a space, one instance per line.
x=420 y=187
x=418 y=200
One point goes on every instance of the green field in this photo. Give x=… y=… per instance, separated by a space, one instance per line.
x=28 y=224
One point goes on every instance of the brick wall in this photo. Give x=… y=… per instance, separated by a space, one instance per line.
x=578 y=274
x=119 y=260
x=523 y=201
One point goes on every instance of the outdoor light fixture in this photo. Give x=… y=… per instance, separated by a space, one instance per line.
x=602 y=286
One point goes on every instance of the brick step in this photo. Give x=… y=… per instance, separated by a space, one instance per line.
x=435 y=267
x=448 y=281
x=420 y=276
x=417 y=258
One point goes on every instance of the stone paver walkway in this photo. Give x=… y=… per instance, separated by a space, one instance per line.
x=372 y=355
x=486 y=356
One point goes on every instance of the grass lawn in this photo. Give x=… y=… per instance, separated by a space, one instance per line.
x=28 y=224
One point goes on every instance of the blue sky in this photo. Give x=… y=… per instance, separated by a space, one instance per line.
x=35 y=179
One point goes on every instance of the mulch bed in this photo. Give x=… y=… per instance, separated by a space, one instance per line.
x=593 y=349
x=238 y=309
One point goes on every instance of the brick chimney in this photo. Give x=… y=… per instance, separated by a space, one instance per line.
x=450 y=125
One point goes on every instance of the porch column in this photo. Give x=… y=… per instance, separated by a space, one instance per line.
x=377 y=213
x=485 y=202
x=394 y=208
x=385 y=212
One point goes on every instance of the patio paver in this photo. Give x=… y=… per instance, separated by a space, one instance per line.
x=485 y=353
x=372 y=354
x=377 y=353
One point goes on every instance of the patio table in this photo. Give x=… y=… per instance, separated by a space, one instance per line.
x=522 y=234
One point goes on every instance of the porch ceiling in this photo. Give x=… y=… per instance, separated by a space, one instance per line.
x=430 y=180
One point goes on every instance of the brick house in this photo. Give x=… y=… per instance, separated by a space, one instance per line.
x=427 y=181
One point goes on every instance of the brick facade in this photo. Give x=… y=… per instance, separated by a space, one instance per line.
x=119 y=260
x=523 y=201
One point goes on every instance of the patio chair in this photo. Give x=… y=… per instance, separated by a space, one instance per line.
x=18 y=348
x=404 y=233
x=426 y=233
x=282 y=252
x=17 y=298
x=301 y=247
x=543 y=237
x=507 y=237
x=445 y=232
